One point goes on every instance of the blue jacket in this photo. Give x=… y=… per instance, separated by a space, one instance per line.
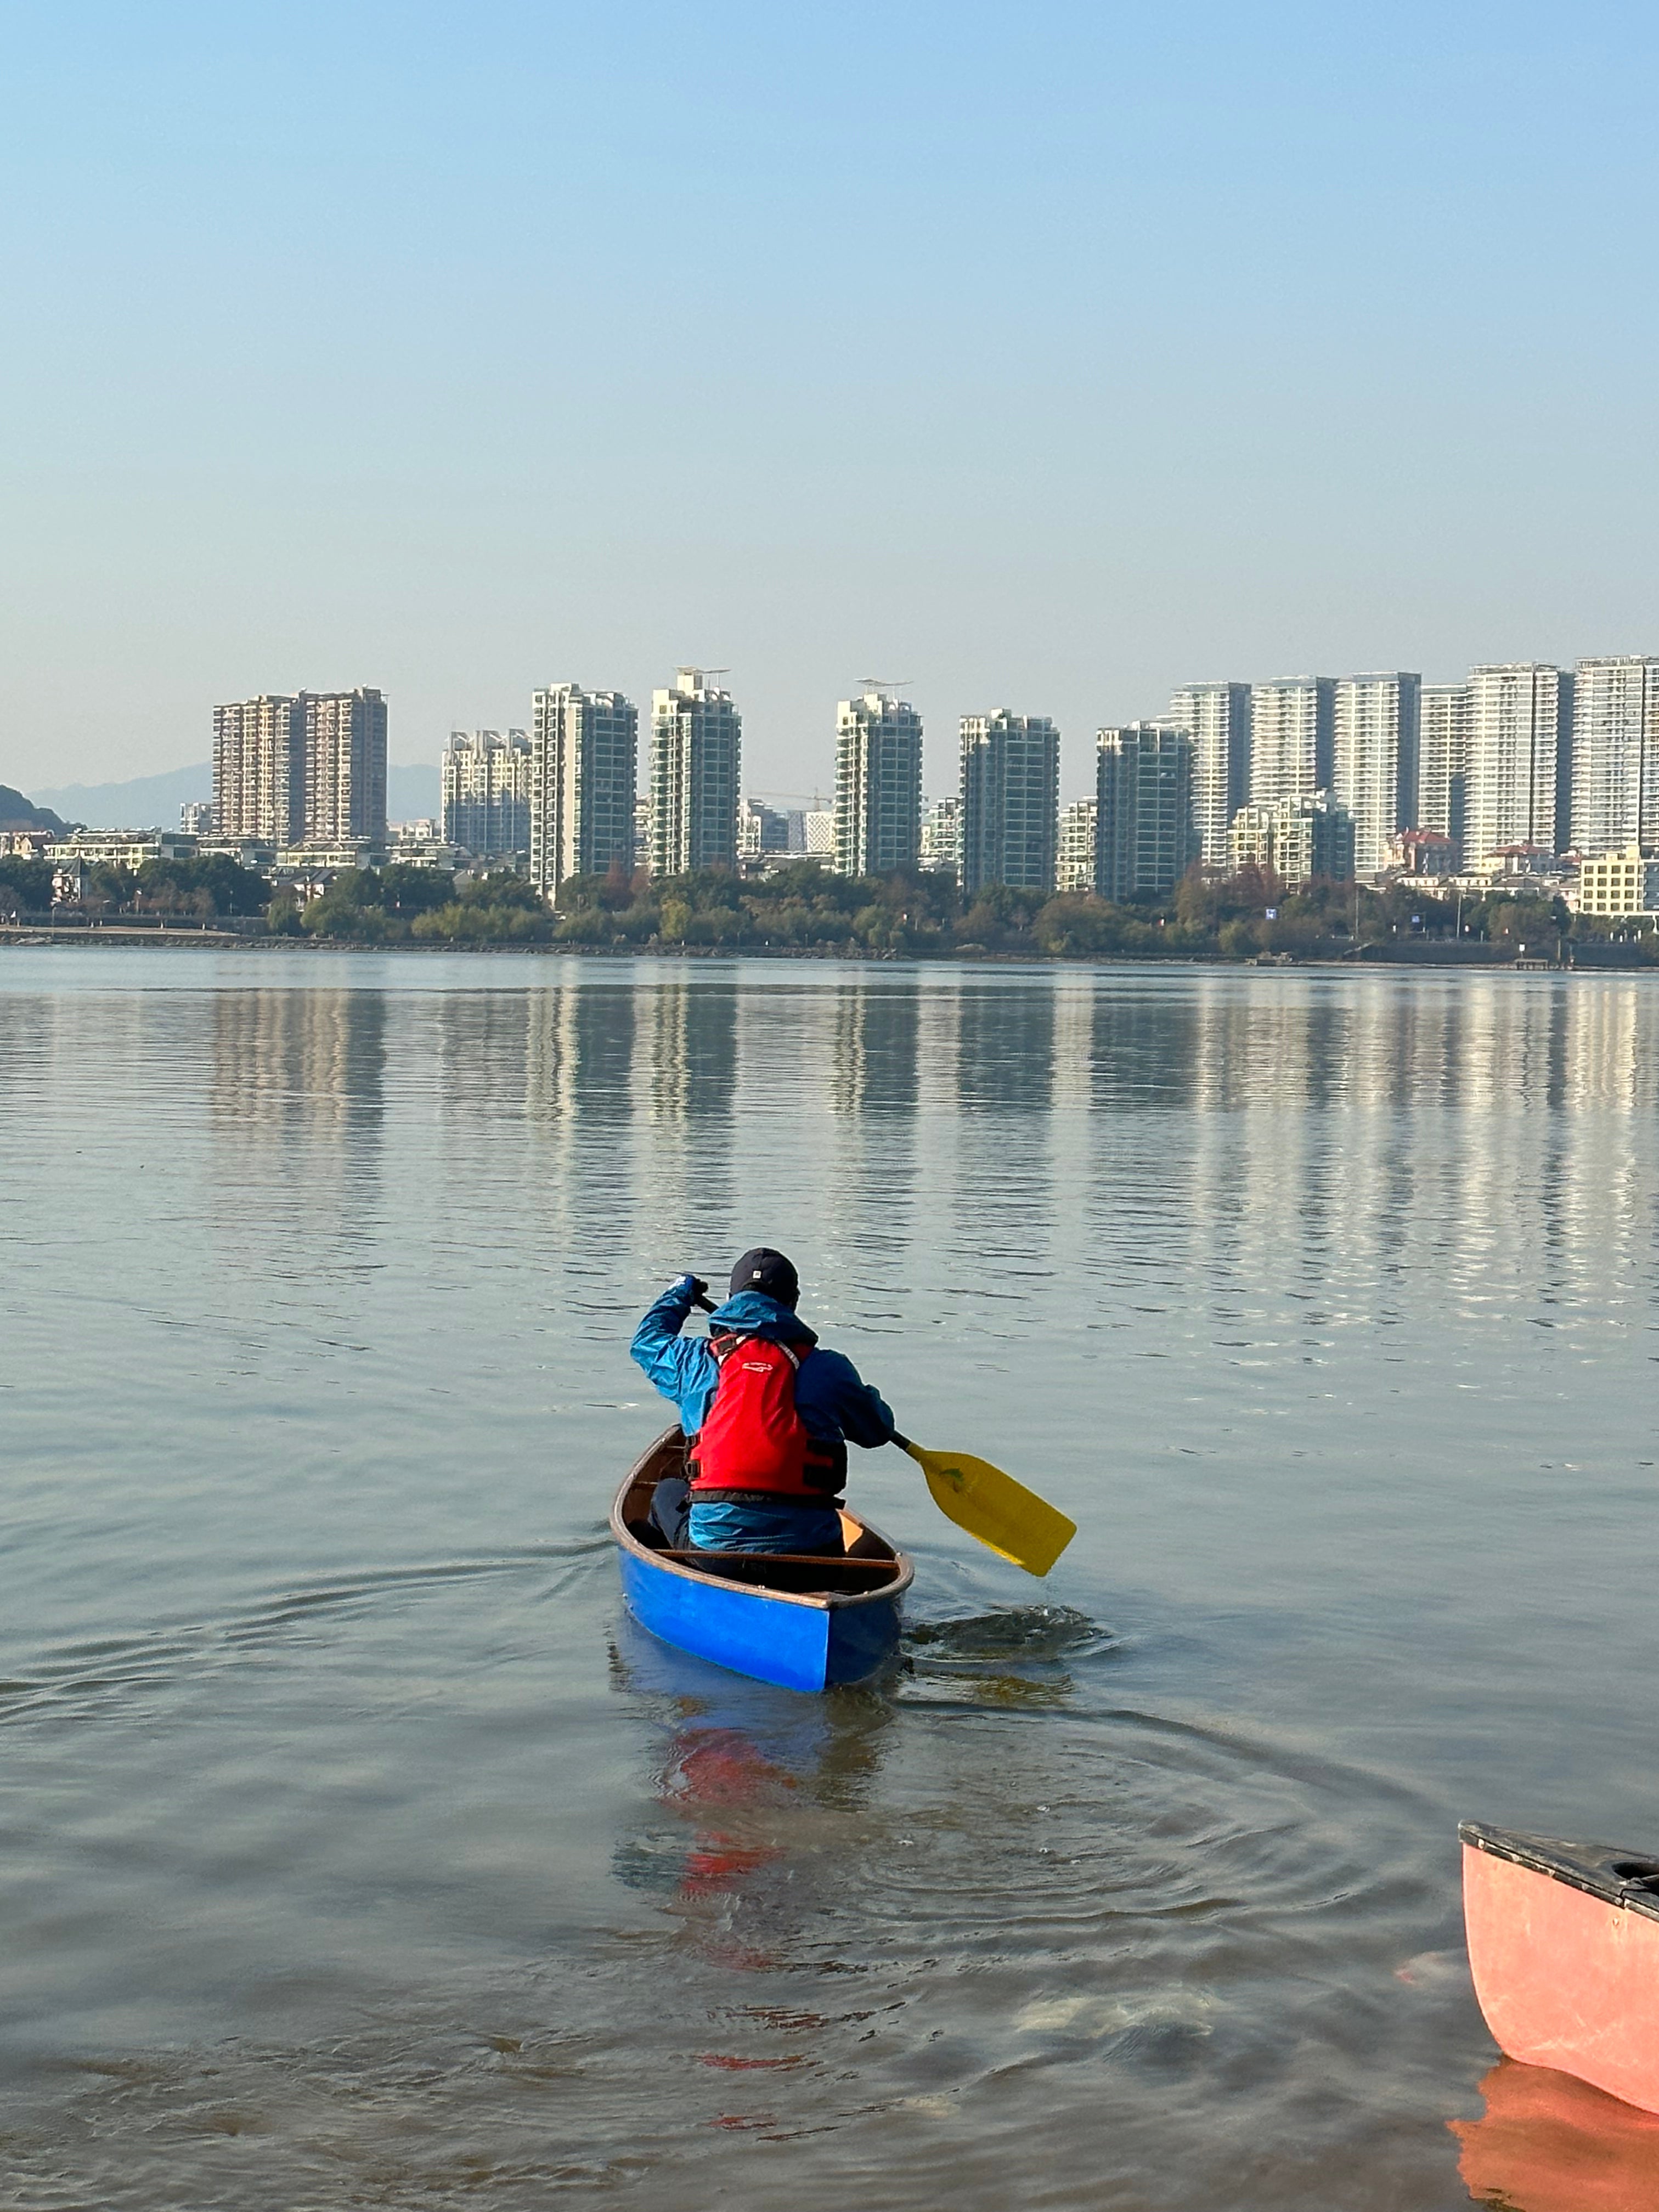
x=832 y=1402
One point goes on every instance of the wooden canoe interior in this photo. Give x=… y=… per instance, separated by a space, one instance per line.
x=870 y=1562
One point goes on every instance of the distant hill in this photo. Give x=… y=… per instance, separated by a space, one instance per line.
x=148 y=802
x=17 y=812
x=152 y=802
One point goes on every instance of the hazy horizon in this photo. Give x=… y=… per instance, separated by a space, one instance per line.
x=1041 y=357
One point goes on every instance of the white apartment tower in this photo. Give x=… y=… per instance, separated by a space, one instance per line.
x=1442 y=742
x=1374 y=760
x=1075 y=868
x=1009 y=801
x=696 y=740
x=878 y=785
x=1293 y=732
x=1615 y=755
x=485 y=781
x=1217 y=717
x=1144 y=834
x=301 y=768
x=584 y=754
x=1519 y=715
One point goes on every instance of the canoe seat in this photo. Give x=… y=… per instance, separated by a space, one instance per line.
x=799 y=1572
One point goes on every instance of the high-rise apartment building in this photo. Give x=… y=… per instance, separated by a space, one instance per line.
x=1074 y=869
x=1292 y=737
x=1374 y=759
x=1296 y=838
x=301 y=768
x=1145 y=840
x=1443 y=744
x=584 y=759
x=259 y=769
x=1009 y=801
x=941 y=836
x=1519 y=718
x=484 y=779
x=878 y=785
x=696 y=740
x=1217 y=717
x=345 y=767
x=1616 y=754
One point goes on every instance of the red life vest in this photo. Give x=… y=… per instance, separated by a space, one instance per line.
x=752 y=1438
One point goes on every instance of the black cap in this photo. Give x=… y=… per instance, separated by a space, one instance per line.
x=768 y=1272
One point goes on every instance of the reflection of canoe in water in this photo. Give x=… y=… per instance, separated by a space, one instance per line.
x=1547 y=2143
x=1564 y=1946
x=803 y=1623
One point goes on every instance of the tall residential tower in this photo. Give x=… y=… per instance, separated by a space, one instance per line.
x=1292 y=737
x=485 y=780
x=584 y=752
x=696 y=747
x=1374 y=760
x=1217 y=717
x=302 y=767
x=1145 y=838
x=1616 y=754
x=878 y=785
x=1519 y=716
x=1442 y=744
x=1009 y=801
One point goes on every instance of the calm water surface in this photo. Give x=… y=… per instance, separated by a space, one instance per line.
x=354 y=1851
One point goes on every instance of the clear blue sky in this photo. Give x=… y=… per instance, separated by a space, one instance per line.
x=1042 y=354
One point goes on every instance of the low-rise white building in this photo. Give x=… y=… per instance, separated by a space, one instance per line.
x=1615 y=883
x=121 y=848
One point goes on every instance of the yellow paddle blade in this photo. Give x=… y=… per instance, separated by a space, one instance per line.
x=1006 y=1516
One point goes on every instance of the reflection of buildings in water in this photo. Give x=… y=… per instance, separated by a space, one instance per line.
x=480 y=1056
x=874 y=1048
x=1006 y=1044
x=1352 y=1130
x=1548 y=2143
x=872 y=1087
x=1005 y=1194
x=689 y=1061
x=297 y=1103
x=579 y=1063
x=578 y=1103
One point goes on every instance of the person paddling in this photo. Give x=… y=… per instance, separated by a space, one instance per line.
x=767 y=1415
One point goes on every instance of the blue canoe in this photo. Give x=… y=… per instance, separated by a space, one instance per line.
x=804 y=1623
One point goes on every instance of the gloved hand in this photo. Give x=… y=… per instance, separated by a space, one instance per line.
x=699 y=1288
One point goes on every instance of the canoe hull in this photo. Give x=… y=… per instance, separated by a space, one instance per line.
x=1564 y=1954
x=795 y=1640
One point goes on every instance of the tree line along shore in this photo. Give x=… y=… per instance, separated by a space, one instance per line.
x=803 y=908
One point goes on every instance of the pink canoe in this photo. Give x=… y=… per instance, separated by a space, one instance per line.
x=1564 y=1946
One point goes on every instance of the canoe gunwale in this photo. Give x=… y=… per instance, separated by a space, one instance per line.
x=667 y=1447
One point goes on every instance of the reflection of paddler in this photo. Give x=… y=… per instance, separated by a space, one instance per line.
x=1549 y=2144
x=714 y=1776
